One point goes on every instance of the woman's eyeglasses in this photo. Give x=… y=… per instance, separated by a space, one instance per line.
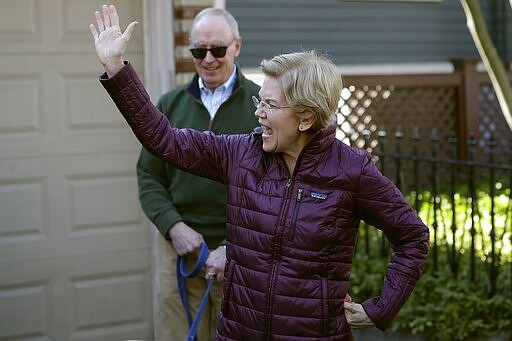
x=217 y=51
x=267 y=108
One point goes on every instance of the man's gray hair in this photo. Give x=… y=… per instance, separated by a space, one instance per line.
x=213 y=11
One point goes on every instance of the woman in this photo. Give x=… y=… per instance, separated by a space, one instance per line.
x=296 y=196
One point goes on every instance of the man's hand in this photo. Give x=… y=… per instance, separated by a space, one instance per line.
x=110 y=42
x=355 y=314
x=185 y=239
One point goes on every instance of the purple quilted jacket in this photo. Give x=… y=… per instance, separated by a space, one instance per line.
x=290 y=237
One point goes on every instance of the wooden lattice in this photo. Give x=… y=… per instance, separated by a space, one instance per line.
x=492 y=128
x=409 y=119
x=398 y=111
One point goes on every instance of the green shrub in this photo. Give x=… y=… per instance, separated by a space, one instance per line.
x=444 y=308
x=441 y=307
x=450 y=305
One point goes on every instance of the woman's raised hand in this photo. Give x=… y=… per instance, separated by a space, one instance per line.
x=110 y=42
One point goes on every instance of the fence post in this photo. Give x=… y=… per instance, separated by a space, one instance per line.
x=434 y=140
x=452 y=140
x=468 y=105
x=494 y=271
x=382 y=140
x=508 y=207
x=366 y=136
x=399 y=135
x=472 y=196
x=416 y=139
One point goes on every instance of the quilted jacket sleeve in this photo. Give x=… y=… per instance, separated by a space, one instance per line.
x=203 y=154
x=381 y=204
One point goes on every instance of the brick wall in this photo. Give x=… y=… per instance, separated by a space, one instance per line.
x=184 y=13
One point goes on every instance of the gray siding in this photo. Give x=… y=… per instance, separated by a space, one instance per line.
x=354 y=32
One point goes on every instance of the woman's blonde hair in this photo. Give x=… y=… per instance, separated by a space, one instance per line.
x=311 y=83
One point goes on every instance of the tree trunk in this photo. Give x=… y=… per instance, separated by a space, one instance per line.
x=489 y=55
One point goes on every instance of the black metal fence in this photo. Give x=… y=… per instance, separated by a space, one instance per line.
x=467 y=204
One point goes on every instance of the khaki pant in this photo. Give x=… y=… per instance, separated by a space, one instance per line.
x=170 y=320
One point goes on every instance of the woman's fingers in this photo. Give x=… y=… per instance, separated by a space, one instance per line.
x=106 y=18
x=94 y=32
x=114 y=17
x=350 y=307
x=106 y=15
x=129 y=30
x=99 y=21
x=348 y=298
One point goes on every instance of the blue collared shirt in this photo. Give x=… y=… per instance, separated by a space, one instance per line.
x=213 y=100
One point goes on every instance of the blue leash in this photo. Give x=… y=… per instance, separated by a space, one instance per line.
x=183 y=273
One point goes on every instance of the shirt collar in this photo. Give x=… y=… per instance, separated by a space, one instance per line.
x=228 y=85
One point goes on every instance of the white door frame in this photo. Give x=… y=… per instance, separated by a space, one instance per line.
x=159 y=60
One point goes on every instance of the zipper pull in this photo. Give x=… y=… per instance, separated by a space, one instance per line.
x=288 y=183
x=299 y=195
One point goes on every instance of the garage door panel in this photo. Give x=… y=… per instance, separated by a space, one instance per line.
x=101 y=301
x=102 y=201
x=59 y=26
x=96 y=295
x=21 y=210
x=127 y=332
x=108 y=201
x=84 y=91
x=59 y=111
x=26 y=31
x=73 y=143
x=67 y=206
x=133 y=239
x=78 y=14
x=24 y=311
x=86 y=64
x=21 y=116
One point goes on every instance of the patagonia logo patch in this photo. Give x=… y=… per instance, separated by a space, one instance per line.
x=318 y=195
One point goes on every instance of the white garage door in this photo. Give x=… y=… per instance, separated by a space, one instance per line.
x=74 y=247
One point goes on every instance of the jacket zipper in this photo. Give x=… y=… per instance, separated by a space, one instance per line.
x=286 y=195
x=295 y=214
x=275 y=257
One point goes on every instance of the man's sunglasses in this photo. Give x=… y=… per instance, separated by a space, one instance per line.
x=217 y=52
